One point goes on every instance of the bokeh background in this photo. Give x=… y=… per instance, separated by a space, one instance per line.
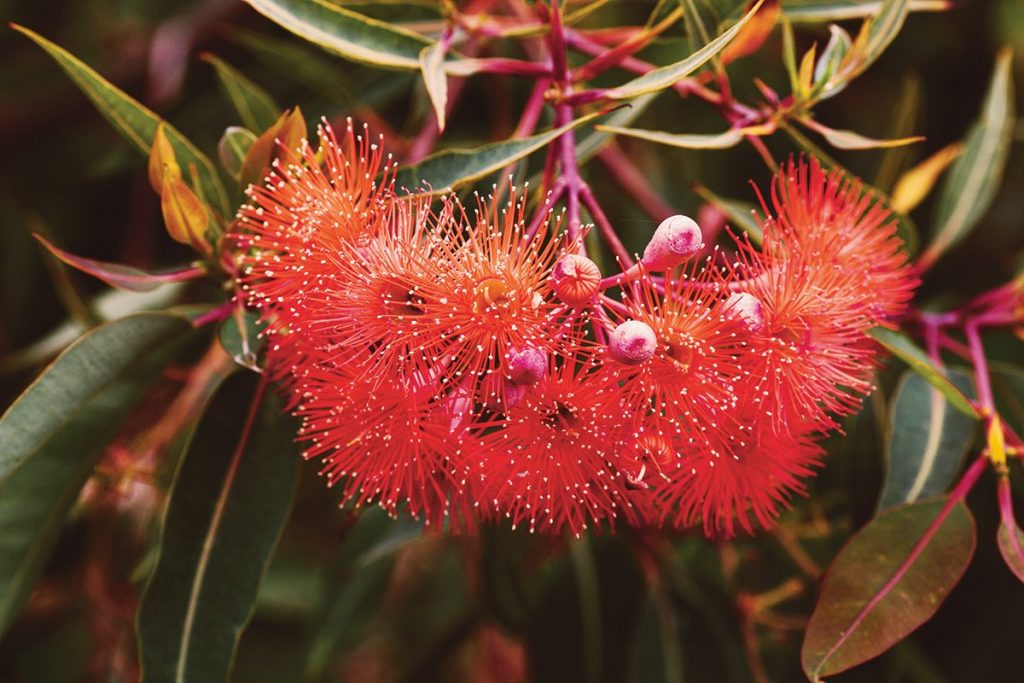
x=373 y=600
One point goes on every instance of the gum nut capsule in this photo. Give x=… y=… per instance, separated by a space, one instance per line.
x=575 y=279
x=632 y=343
x=677 y=239
x=748 y=308
x=527 y=366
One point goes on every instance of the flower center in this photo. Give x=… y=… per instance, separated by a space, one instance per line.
x=396 y=299
x=492 y=293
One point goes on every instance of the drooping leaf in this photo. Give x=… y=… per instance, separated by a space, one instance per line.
x=729 y=138
x=254 y=105
x=119 y=275
x=914 y=185
x=454 y=167
x=54 y=432
x=927 y=441
x=135 y=122
x=233 y=147
x=847 y=139
x=230 y=499
x=973 y=180
x=346 y=33
x=435 y=79
x=900 y=346
x=666 y=76
x=239 y=336
x=885 y=582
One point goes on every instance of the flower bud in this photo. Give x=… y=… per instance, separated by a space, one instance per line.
x=677 y=239
x=632 y=343
x=526 y=367
x=575 y=279
x=748 y=308
x=498 y=396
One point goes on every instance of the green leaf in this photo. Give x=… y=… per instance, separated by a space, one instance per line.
x=590 y=142
x=900 y=346
x=729 y=138
x=882 y=29
x=254 y=105
x=926 y=442
x=135 y=122
x=1011 y=546
x=233 y=148
x=54 y=432
x=346 y=33
x=1008 y=387
x=451 y=168
x=885 y=583
x=231 y=496
x=239 y=336
x=973 y=180
x=842 y=10
x=669 y=75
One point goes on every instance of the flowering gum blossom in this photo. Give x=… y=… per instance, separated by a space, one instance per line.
x=632 y=343
x=526 y=367
x=575 y=279
x=748 y=308
x=677 y=239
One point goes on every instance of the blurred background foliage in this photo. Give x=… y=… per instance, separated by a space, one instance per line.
x=355 y=598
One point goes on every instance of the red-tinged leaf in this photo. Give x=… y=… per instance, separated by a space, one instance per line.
x=287 y=133
x=1009 y=537
x=119 y=275
x=185 y=215
x=889 y=579
x=752 y=36
x=161 y=160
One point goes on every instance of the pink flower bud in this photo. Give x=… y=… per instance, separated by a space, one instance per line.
x=677 y=239
x=498 y=396
x=633 y=342
x=575 y=279
x=527 y=366
x=748 y=308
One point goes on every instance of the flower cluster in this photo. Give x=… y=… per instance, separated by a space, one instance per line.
x=452 y=361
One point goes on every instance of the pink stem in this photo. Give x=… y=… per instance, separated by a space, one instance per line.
x=215 y=314
x=606 y=228
x=626 y=174
x=980 y=370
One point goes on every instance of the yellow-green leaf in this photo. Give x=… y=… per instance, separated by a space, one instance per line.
x=233 y=147
x=134 y=121
x=184 y=214
x=435 y=79
x=847 y=139
x=729 y=138
x=161 y=160
x=914 y=185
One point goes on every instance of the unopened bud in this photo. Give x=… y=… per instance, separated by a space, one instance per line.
x=748 y=308
x=575 y=279
x=677 y=239
x=498 y=396
x=526 y=367
x=632 y=343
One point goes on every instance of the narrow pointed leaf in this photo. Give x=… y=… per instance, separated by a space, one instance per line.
x=255 y=107
x=233 y=147
x=877 y=34
x=346 y=33
x=229 y=502
x=666 y=76
x=926 y=440
x=883 y=585
x=119 y=275
x=729 y=138
x=454 y=167
x=900 y=346
x=54 y=432
x=590 y=142
x=286 y=134
x=435 y=79
x=973 y=180
x=134 y=121
x=752 y=36
x=162 y=160
x=185 y=215
x=842 y=10
x=914 y=185
x=847 y=139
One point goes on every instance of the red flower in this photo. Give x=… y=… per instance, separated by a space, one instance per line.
x=558 y=458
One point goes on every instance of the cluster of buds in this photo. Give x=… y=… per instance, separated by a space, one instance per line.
x=453 y=362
